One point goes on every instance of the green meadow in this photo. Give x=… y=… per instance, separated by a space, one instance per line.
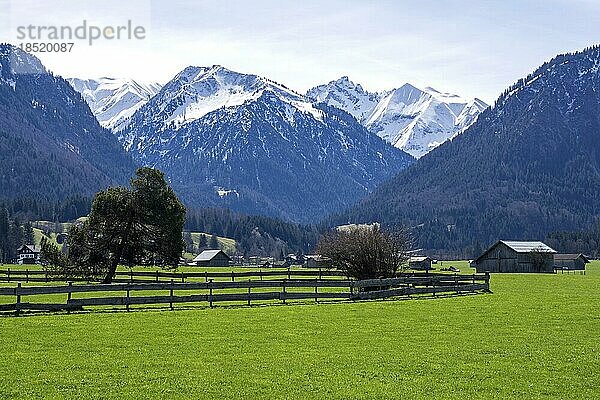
x=536 y=336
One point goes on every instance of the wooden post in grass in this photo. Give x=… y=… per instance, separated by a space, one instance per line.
x=261 y=274
x=18 y=293
x=456 y=283
x=487 y=281
x=27 y=275
x=182 y=277
x=289 y=273
x=46 y=276
x=131 y=276
x=283 y=291
x=171 y=296
x=232 y=276
x=316 y=291
x=8 y=275
x=210 y=293
x=205 y=276
x=320 y=274
x=248 y=292
x=127 y=299
x=156 y=275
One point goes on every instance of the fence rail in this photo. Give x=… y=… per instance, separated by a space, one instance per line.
x=11 y=275
x=243 y=291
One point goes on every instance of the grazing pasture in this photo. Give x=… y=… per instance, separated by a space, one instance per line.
x=536 y=336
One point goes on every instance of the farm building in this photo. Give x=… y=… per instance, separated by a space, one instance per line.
x=420 y=263
x=570 y=261
x=28 y=254
x=212 y=258
x=316 y=261
x=509 y=256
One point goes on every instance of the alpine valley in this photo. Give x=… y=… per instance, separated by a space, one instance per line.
x=529 y=166
x=253 y=145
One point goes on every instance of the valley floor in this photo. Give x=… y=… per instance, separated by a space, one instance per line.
x=536 y=336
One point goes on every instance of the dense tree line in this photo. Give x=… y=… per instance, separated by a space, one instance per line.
x=13 y=234
x=255 y=235
x=584 y=242
x=34 y=208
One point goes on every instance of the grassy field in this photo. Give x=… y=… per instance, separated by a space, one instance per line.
x=537 y=336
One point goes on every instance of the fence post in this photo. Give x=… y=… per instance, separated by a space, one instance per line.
x=18 y=293
x=283 y=291
x=130 y=276
x=320 y=274
x=210 y=293
x=316 y=291
x=156 y=275
x=289 y=273
x=261 y=274
x=27 y=275
x=456 y=283
x=127 y=299
x=182 y=277
x=8 y=275
x=232 y=276
x=248 y=292
x=432 y=285
x=46 y=276
x=205 y=276
x=351 y=290
x=171 y=296
x=487 y=281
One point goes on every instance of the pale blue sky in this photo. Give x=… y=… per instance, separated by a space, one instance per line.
x=473 y=48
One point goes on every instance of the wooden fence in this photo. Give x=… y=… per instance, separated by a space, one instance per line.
x=27 y=276
x=248 y=292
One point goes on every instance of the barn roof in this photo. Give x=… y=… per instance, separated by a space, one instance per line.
x=569 y=257
x=208 y=255
x=420 y=259
x=528 y=247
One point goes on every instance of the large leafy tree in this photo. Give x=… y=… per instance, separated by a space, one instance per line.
x=141 y=224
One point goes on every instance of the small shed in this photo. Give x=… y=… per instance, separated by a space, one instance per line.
x=420 y=263
x=316 y=261
x=515 y=256
x=28 y=254
x=570 y=261
x=212 y=258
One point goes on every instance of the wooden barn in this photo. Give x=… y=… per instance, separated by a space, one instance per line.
x=510 y=256
x=212 y=258
x=28 y=254
x=420 y=263
x=570 y=261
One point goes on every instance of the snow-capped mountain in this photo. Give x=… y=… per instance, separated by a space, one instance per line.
x=113 y=100
x=246 y=142
x=409 y=118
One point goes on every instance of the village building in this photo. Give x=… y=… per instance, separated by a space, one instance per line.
x=212 y=258
x=316 y=261
x=513 y=256
x=570 y=261
x=28 y=254
x=420 y=263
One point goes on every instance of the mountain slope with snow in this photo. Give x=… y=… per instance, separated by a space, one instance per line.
x=409 y=118
x=112 y=100
x=253 y=145
x=51 y=146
